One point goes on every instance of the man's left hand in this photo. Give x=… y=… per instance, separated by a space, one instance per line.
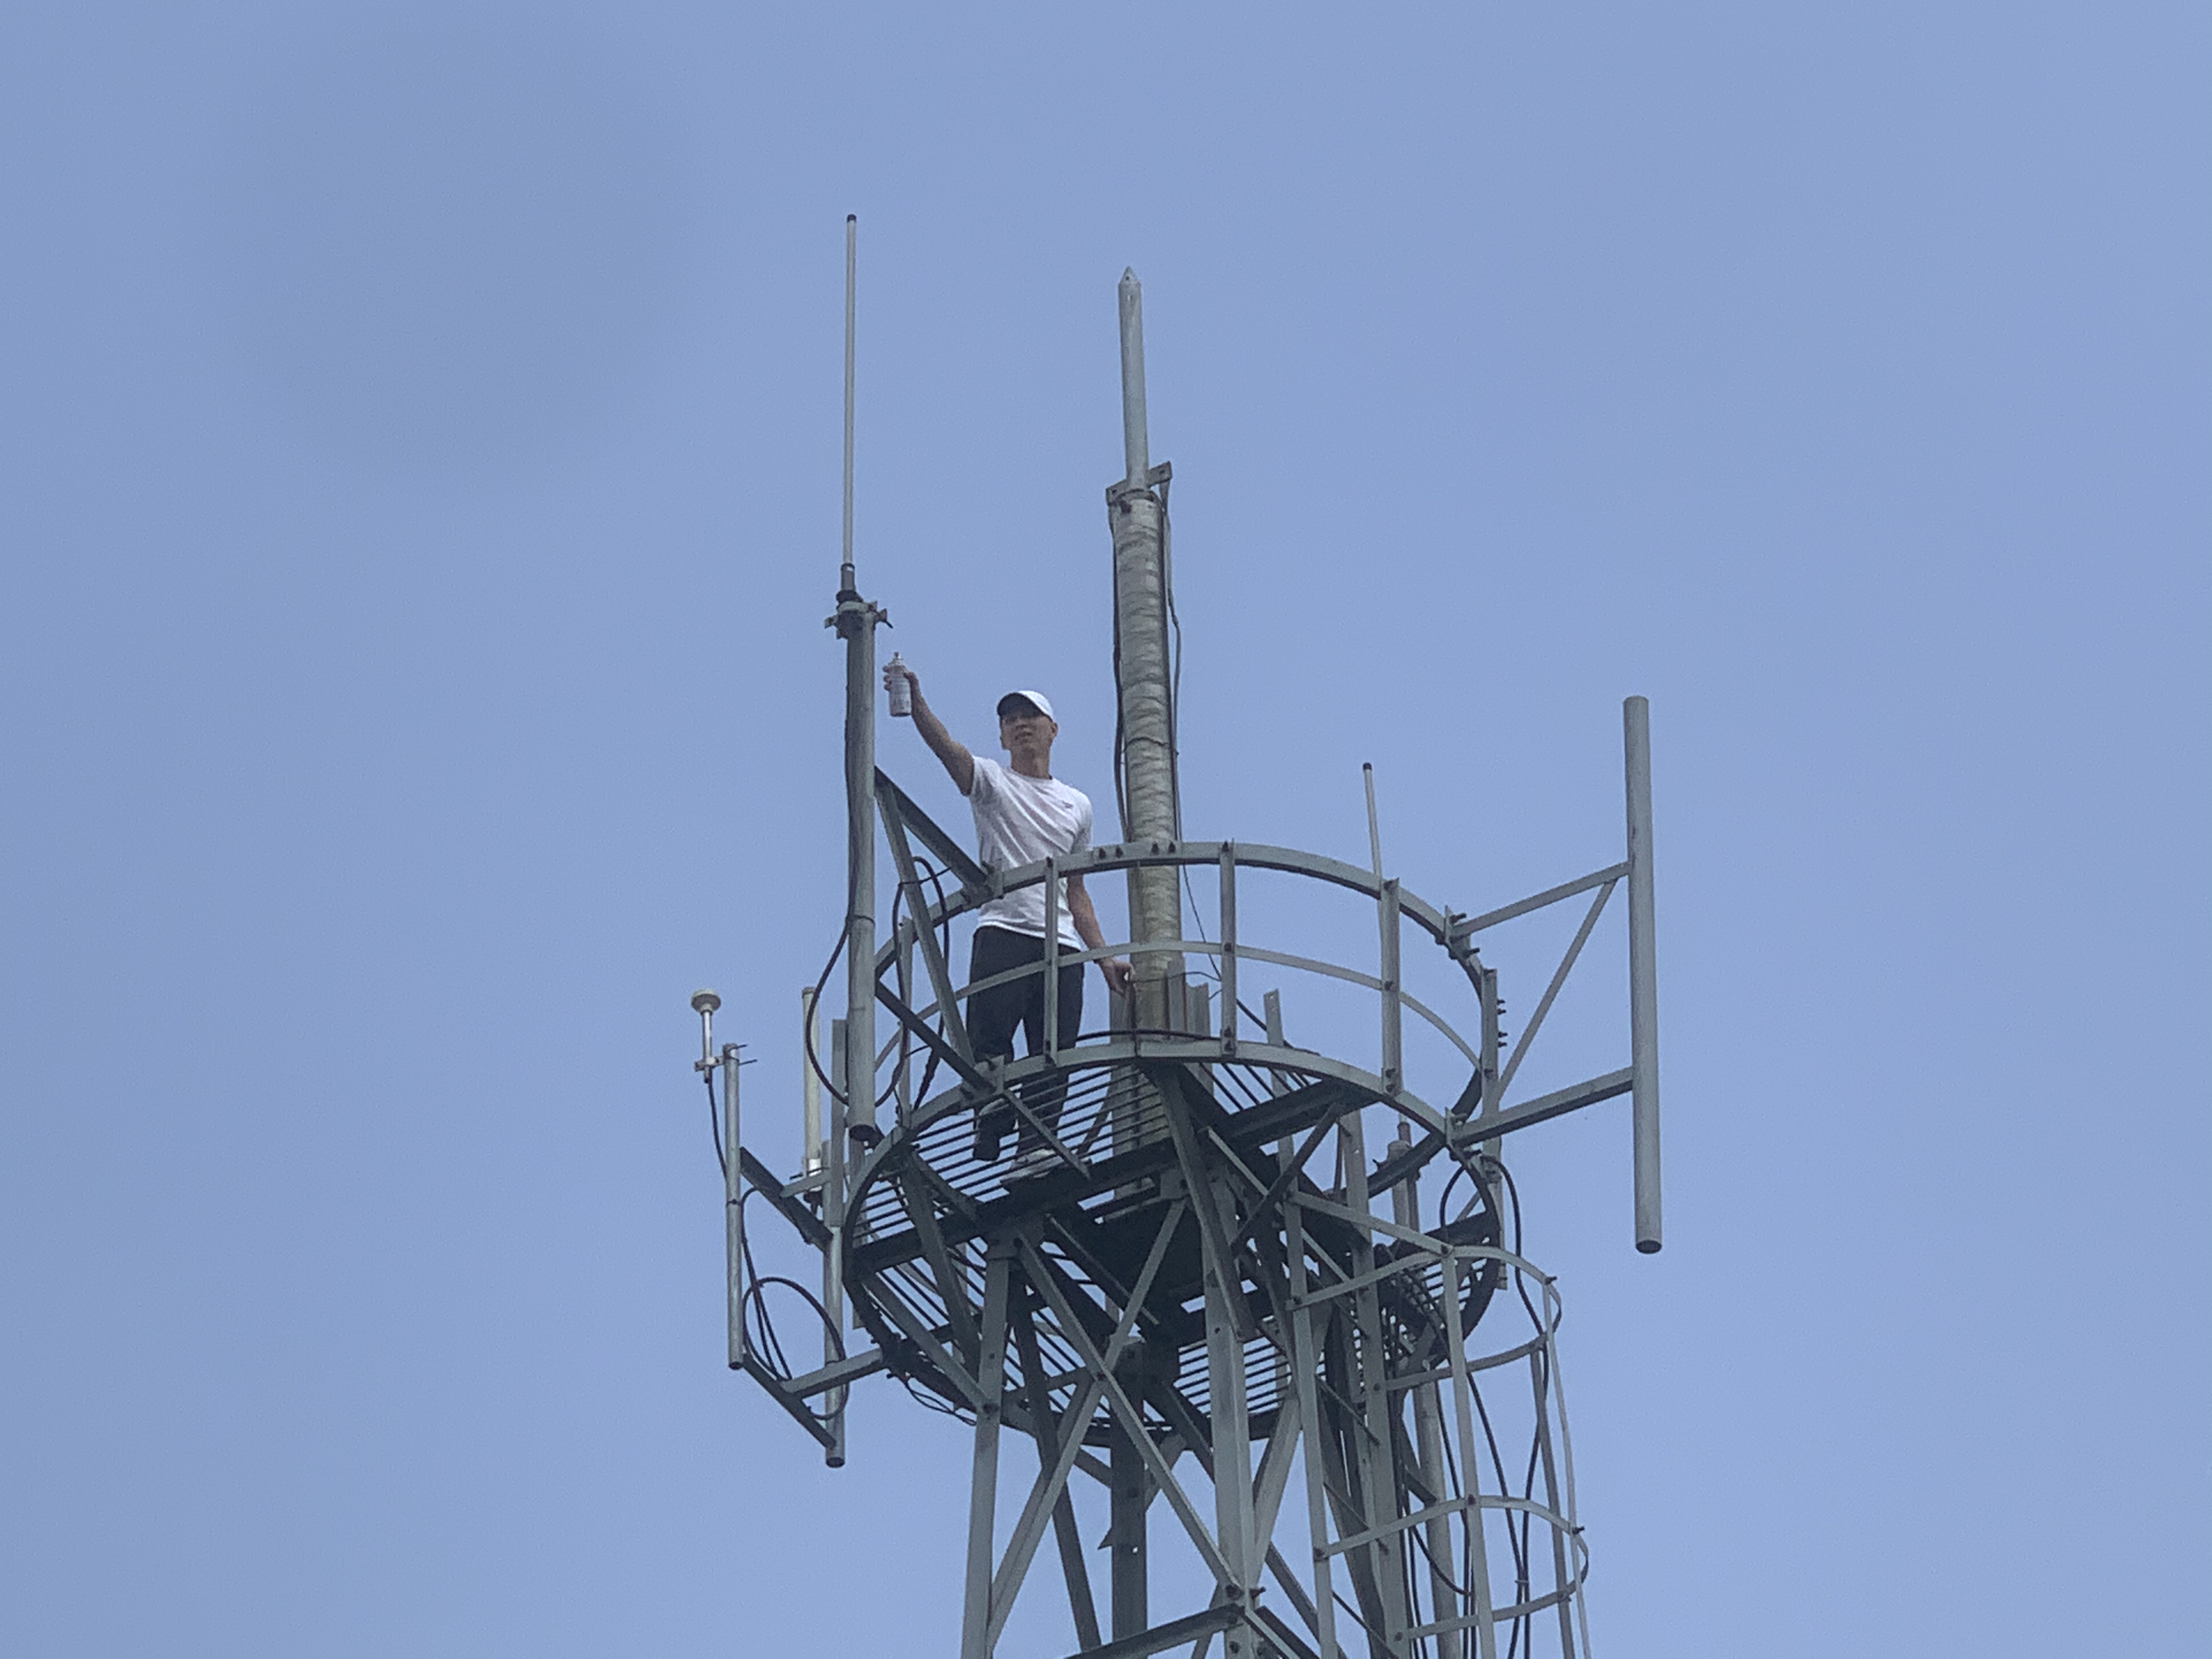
x=1117 y=975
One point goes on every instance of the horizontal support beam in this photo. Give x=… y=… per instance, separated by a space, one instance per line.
x=1174 y=1633
x=838 y=1374
x=1463 y=930
x=1558 y=1104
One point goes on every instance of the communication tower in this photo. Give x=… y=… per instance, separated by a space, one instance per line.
x=1230 y=1309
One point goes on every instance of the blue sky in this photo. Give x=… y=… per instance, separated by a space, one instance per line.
x=418 y=486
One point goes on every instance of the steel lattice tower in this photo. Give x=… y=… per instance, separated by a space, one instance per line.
x=1225 y=1304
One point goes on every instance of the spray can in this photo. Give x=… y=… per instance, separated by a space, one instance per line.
x=901 y=689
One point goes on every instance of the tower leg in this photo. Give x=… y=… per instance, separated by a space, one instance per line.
x=983 y=1489
x=1129 y=1500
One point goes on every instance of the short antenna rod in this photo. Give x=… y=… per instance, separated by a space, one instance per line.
x=1374 y=823
x=1136 y=446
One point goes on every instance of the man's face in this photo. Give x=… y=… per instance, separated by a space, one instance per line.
x=1023 y=731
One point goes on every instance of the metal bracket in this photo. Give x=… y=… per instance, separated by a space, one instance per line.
x=1160 y=474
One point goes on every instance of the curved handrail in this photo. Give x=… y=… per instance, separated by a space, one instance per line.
x=1257 y=855
x=1201 y=947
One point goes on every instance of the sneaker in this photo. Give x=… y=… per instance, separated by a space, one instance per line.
x=991 y=1128
x=1030 y=1166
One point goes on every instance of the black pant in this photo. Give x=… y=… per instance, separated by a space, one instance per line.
x=993 y=1014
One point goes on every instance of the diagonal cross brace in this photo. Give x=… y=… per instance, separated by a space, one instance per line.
x=1048 y=1428
x=965 y=1069
x=1049 y=1495
x=1132 y=1418
x=1197 y=1179
x=973 y=876
x=893 y=806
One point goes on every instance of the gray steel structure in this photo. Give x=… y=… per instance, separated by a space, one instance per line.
x=1221 y=1292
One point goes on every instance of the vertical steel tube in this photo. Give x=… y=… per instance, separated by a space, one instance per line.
x=1478 y=1553
x=833 y=1211
x=1562 y=1576
x=733 y=1215
x=984 y=1484
x=1643 y=974
x=810 y=1084
x=1053 y=1035
x=1428 y=1423
x=1493 y=1042
x=1128 y=1498
x=1228 y=1412
x=1228 y=917
x=1374 y=822
x=1374 y=1455
x=1304 y=1362
x=860 y=863
x=1394 y=1011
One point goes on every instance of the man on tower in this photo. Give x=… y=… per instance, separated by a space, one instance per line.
x=1023 y=813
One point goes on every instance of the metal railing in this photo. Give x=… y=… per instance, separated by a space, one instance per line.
x=918 y=945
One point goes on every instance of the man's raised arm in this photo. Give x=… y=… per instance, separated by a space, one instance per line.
x=1085 y=915
x=942 y=743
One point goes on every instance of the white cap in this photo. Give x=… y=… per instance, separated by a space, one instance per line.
x=1037 y=700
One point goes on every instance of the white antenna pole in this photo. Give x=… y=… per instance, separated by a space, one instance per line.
x=852 y=268
x=1135 y=443
x=853 y=1113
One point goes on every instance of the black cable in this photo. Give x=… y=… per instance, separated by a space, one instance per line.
x=814 y=1002
x=935 y=877
x=1444 y=1197
x=1120 y=777
x=758 y=1317
x=1175 y=662
x=715 y=1122
x=1522 y=1536
x=905 y=986
x=768 y=1343
x=1520 y=1286
x=923 y=1397
x=1175 y=694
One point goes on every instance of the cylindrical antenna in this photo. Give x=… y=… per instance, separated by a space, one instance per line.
x=845 y=581
x=810 y=1086
x=1374 y=823
x=1135 y=445
x=1643 y=975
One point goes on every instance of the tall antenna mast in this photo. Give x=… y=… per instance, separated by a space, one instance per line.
x=1134 y=512
x=853 y=1109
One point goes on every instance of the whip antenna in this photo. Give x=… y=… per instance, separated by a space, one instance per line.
x=852 y=267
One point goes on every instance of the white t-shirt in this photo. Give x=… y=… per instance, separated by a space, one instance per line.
x=1019 y=820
